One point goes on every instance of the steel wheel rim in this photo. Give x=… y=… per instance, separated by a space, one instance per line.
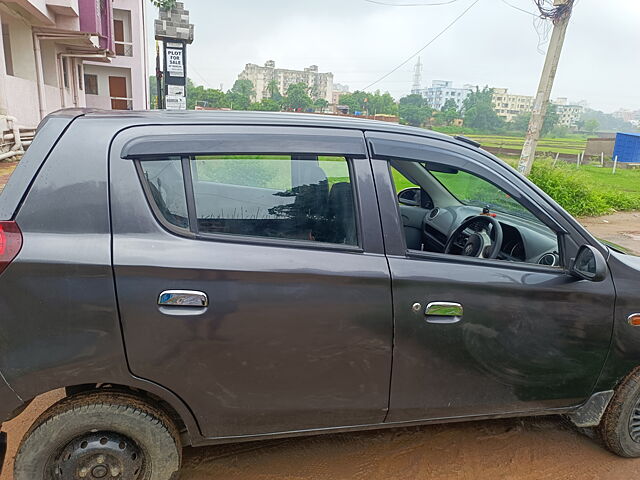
x=99 y=456
x=634 y=423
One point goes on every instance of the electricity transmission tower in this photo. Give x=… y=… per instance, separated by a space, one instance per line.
x=417 y=78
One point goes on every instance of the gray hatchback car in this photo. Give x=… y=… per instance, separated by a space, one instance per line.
x=199 y=278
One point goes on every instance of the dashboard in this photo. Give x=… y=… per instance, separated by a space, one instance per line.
x=524 y=240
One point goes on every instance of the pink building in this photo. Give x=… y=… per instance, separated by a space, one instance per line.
x=71 y=53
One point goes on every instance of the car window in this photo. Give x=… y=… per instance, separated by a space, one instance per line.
x=472 y=190
x=459 y=196
x=166 y=185
x=305 y=197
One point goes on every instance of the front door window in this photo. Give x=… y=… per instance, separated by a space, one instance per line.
x=461 y=213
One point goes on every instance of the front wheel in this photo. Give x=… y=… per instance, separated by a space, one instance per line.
x=100 y=435
x=620 y=425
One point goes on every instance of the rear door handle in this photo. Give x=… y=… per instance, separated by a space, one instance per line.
x=444 y=312
x=183 y=298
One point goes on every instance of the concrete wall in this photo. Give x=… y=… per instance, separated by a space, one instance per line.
x=132 y=13
x=22 y=100
x=103 y=72
x=21 y=47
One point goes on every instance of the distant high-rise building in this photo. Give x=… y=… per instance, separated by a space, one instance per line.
x=509 y=106
x=568 y=114
x=442 y=90
x=320 y=84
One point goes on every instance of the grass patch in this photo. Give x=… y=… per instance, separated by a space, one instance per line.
x=588 y=191
x=551 y=145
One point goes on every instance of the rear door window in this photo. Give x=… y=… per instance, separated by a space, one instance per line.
x=305 y=198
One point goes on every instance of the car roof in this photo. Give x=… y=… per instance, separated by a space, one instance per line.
x=236 y=117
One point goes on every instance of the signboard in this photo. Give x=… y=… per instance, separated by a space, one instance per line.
x=176 y=98
x=175 y=62
x=176 y=102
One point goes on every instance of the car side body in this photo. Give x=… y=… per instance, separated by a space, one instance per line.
x=292 y=338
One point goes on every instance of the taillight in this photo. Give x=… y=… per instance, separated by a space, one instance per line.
x=10 y=243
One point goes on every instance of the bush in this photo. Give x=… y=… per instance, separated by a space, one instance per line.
x=577 y=195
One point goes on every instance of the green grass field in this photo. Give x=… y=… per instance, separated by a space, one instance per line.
x=550 y=145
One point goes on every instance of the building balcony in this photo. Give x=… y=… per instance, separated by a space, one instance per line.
x=124 y=49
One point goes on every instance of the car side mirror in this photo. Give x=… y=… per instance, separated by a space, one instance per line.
x=410 y=196
x=589 y=264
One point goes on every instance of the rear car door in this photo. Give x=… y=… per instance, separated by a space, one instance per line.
x=251 y=276
x=523 y=337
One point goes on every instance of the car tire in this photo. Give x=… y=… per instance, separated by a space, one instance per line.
x=99 y=434
x=620 y=425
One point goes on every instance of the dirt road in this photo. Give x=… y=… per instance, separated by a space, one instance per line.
x=621 y=228
x=533 y=449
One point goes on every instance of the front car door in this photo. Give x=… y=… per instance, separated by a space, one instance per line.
x=251 y=275
x=528 y=337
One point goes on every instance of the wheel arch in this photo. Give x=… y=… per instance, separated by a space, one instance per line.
x=148 y=392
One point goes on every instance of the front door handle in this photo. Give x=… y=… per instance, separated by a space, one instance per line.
x=444 y=312
x=183 y=298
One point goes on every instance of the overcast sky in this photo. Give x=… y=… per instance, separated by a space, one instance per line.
x=359 y=41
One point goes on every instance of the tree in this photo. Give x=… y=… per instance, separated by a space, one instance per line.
x=369 y=103
x=606 y=121
x=298 y=98
x=551 y=119
x=591 y=126
x=479 y=112
x=274 y=91
x=205 y=97
x=356 y=101
x=413 y=110
x=382 y=104
x=266 y=105
x=320 y=104
x=164 y=4
x=239 y=97
x=449 y=111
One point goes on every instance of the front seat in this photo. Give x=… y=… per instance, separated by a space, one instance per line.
x=343 y=214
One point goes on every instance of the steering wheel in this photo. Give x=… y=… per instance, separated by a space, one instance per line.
x=480 y=243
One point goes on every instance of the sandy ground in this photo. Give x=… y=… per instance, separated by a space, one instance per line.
x=621 y=228
x=530 y=449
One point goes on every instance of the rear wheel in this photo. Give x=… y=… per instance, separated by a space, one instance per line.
x=100 y=435
x=620 y=425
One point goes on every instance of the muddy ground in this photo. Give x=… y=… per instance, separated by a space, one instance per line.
x=530 y=449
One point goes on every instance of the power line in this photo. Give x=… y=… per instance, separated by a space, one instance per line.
x=518 y=8
x=425 y=46
x=377 y=2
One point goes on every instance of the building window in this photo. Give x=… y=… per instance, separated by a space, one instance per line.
x=91 y=84
x=80 y=78
x=65 y=72
x=6 y=46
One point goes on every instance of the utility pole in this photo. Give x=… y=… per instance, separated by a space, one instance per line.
x=560 y=24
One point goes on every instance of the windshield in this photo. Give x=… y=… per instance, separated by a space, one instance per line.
x=471 y=190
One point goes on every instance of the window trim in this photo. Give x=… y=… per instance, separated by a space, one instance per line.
x=97 y=85
x=193 y=231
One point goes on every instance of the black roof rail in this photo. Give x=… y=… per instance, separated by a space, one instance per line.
x=464 y=139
